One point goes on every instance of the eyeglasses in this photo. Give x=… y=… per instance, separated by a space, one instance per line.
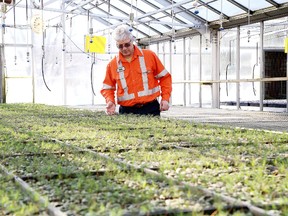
x=126 y=45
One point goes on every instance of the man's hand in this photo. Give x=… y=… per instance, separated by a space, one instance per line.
x=110 y=108
x=164 y=105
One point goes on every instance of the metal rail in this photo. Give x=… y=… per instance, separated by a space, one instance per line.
x=205 y=82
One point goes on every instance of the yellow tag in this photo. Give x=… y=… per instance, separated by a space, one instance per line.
x=286 y=45
x=96 y=45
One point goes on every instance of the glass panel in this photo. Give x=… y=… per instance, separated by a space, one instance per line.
x=254 y=5
x=227 y=8
x=156 y=3
x=143 y=6
x=207 y=14
x=125 y=10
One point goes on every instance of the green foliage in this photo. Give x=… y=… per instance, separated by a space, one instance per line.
x=38 y=140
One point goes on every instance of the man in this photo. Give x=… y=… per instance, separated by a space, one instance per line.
x=138 y=76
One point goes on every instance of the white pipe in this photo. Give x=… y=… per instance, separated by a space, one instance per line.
x=210 y=82
x=170 y=59
x=238 y=68
x=261 y=64
x=184 y=70
x=64 y=94
x=189 y=68
x=200 y=69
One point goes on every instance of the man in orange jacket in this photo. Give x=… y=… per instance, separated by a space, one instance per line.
x=138 y=76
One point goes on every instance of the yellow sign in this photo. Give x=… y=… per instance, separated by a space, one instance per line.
x=286 y=45
x=96 y=45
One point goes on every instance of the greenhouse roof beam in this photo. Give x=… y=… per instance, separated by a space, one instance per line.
x=187 y=32
x=258 y=16
x=273 y=3
x=49 y=2
x=81 y=5
x=82 y=12
x=143 y=12
x=176 y=6
x=212 y=8
x=127 y=15
x=166 y=13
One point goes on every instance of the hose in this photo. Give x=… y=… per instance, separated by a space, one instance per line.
x=43 y=76
x=91 y=78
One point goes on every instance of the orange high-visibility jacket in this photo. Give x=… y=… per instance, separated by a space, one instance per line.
x=139 y=81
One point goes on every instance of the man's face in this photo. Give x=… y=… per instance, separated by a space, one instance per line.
x=125 y=47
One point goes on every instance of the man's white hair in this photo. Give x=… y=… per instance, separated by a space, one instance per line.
x=122 y=33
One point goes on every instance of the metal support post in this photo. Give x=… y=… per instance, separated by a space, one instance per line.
x=2 y=76
x=215 y=70
x=238 y=68
x=261 y=64
x=184 y=71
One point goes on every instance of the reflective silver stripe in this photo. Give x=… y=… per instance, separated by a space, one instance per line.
x=126 y=97
x=161 y=74
x=108 y=87
x=149 y=92
x=121 y=70
x=123 y=82
x=144 y=71
x=144 y=77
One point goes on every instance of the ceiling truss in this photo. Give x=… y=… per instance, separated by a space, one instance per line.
x=183 y=19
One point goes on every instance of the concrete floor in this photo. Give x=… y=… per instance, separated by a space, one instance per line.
x=272 y=121
x=264 y=120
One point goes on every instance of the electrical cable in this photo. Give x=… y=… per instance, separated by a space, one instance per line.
x=14 y=31
x=43 y=50
x=248 y=19
x=172 y=17
x=27 y=32
x=228 y=65
x=221 y=17
x=91 y=75
x=71 y=23
x=253 y=70
x=109 y=30
x=43 y=74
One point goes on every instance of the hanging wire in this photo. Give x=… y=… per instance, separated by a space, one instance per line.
x=228 y=65
x=131 y=17
x=221 y=17
x=207 y=25
x=195 y=5
x=253 y=71
x=173 y=27
x=27 y=34
x=109 y=30
x=70 y=34
x=172 y=17
x=248 y=18
x=91 y=74
x=14 y=25
x=43 y=49
x=136 y=16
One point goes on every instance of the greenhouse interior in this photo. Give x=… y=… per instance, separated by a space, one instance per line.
x=218 y=147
